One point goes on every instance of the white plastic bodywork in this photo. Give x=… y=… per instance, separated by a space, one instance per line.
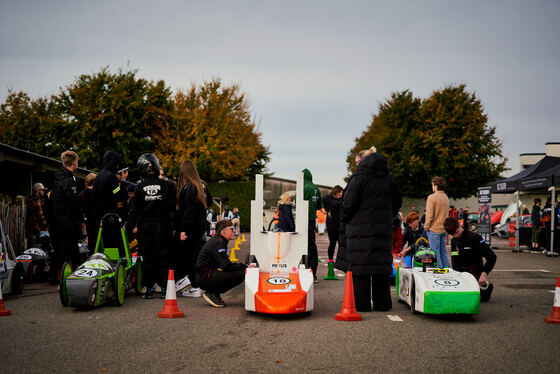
x=422 y=282
x=278 y=253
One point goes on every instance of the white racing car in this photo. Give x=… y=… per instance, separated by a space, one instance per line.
x=11 y=271
x=431 y=290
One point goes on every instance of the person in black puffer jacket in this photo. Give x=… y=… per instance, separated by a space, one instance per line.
x=371 y=200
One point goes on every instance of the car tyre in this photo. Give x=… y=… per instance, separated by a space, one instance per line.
x=137 y=280
x=18 y=279
x=118 y=285
x=413 y=297
x=65 y=271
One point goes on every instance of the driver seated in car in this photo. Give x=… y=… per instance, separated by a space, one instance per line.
x=424 y=256
x=468 y=250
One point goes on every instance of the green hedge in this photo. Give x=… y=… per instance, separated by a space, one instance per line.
x=236 y=195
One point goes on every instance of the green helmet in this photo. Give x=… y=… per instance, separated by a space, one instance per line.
x=425 y=256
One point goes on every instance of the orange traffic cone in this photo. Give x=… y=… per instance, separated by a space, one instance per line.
x=3 y=312
x=170 y=308
x=348 y=311
x=555 y=316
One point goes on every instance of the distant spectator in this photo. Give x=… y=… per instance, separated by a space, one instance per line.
x=332 y=204
x=397 y=239
x=285 y=215
x=524 y=210
x=35 y=219
x=227 y=213
x=452 y=212
x=236 y=220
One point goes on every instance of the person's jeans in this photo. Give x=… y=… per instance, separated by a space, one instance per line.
x=437 y=244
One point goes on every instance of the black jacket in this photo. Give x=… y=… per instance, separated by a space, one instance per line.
x=467 y=252
x=66 y=206
x=332 y=207
x=154 y=200
x=342 y=263
x=213 y=255
x=286 y=218
x=411 y=236
x=371 y=201
x=106 y=187
x=536 y=216
x=193 y=214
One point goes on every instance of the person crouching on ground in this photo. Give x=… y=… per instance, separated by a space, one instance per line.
x=467 y=251
x=215 y=273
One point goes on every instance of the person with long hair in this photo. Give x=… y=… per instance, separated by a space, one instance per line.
x=193 y=199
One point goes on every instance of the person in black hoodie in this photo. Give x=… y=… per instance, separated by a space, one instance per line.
x=371 y=200
x=68 y=220
x=332 y=203
x=106 y=187
x=215 y=273
x=153 y=208
x=193 y=199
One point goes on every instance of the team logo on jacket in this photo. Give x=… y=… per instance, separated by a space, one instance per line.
x=152 y=192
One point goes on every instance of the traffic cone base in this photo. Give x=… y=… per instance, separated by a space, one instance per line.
x=170 y=308
x=330 y=273
x=348 y=311
x=555 y=316
x=3 y=311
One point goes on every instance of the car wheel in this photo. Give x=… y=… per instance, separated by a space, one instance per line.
x=118 y=285
x=65 y=271
x=137 y=280
x=17 y=279
x=413 y=297
x=473 y=227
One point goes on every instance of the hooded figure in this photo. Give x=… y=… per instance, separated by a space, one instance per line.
x=371 y=200
x=106 y=187
x=312 y=194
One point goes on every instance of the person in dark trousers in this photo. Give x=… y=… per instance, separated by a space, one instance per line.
x=285 y=216
x=536 y=225
x=332 y=203
x=468 y=250
x=153 y=207
x=68 y=219
x=371 y=200
x=107 y=187
x=35 y=221
x=193 y=199
x=215 y=273
x=312 y=194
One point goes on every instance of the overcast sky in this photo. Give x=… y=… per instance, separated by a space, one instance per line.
x=315 y=71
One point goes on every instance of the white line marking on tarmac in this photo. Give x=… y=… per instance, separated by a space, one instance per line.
x=394 y=318
x=514 y=270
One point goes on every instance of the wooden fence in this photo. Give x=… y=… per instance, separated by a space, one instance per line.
x=13 y=223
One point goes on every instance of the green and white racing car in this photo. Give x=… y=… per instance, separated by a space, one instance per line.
x=431 y=290
x=107 y=274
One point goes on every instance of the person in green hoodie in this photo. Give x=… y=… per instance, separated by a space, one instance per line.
x=312 y=194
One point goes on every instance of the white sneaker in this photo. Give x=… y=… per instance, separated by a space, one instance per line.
x=192 y=292
x=182 y=284
x=157 y=288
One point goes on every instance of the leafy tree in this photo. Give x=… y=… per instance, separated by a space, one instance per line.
x=212 y=126
x=111 y=111
x=25 y=123
x=446 y=135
